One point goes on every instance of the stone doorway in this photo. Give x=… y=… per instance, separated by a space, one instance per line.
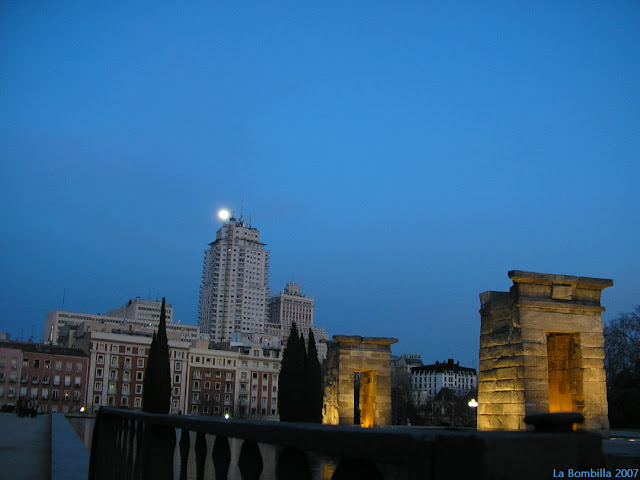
x=565 y=372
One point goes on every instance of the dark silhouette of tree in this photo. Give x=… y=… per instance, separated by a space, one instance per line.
x=622 y=365
x=291 y=379
x=313 y=383
x=156 y=394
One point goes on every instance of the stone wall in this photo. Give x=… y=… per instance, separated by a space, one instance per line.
x=541 y=350
x=369 y=356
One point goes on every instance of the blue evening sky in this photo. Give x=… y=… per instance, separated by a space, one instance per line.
x=398 y=158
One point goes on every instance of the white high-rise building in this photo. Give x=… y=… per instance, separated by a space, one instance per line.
x=235 y=282
x=292 y=306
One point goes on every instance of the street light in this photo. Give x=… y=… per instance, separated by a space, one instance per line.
x=473 y=403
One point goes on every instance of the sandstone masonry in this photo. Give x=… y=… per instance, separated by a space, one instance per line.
x=541 y=350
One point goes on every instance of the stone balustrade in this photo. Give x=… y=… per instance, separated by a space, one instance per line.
x=133 y=445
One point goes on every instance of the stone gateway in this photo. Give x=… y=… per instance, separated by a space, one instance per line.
x=358 y=381
x=542 y=350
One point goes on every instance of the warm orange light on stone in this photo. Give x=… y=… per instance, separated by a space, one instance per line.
x=371 y=358
x=541 y=350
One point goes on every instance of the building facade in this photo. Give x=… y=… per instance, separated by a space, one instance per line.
x=292 y=306
x=54 y=377
x=234 y=290
x=117 y=363
x=428 y=380
x=137 y=315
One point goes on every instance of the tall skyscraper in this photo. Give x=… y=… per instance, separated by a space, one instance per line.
x=235 y=282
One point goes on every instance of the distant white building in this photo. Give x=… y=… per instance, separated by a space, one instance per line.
x=428 y=380
x=136 y=316
x=234 y=290
x=292 y=306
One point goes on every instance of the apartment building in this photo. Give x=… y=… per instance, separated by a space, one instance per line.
x=54 y=377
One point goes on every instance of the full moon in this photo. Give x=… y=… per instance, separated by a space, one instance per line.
x=224 y=214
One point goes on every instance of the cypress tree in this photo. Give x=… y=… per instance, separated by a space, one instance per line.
x=156 y=396
x=313 y=383
x=291 y=380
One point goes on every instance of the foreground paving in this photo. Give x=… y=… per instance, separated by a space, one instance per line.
x=24 y=447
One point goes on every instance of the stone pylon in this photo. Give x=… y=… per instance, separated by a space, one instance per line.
x=358 y=381
x=542 y=350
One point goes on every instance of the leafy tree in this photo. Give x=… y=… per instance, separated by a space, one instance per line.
x=291 y=379
x=313 y=383
x=156 y=394
x=622 y=365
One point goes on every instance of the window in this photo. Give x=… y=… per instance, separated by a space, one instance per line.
x=56 y=380
x=114 y=361
x=96 y=399
x=25 y=363
x=218 y=374
x=78 y=367
x=196 y=385
x=45 y=379
x=138 y=389
x=55 y=395
x=217 y=385
x=125 y=389
x=125 y=401
x=176 y=391
x=207 y=385
x=24 y=378
x=140 y=352
x=68 y=366
x=67 y=381
x=139 y=376
x=47 y=364
x=76 y=396
x=229 y=376
x=66 y=396
x=115 y=348
x=127 y=350
x=127 y=362
x=45 y=394
x=97 y=386
x=216 y=398
x=196 y=397
x=99 y=372
x=178 y=366
x=176 y=379
x=138 y=402
x=58 y=365
x=100 y=359
x=141 y=363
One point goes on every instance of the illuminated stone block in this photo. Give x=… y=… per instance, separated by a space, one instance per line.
x=542 y=343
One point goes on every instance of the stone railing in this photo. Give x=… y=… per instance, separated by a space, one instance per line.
x=133 y=445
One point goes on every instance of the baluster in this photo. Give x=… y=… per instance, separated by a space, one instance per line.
x=96 y=452
x=137 y=466
x=123 y=431
x=250 y=461
x=292 y=465
x=355 y=469
x=201 y=455
x=130 y=455
x=221 y=456
x=172 y=448
x=185 y=446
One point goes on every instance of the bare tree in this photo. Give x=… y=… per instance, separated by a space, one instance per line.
x=622 y=364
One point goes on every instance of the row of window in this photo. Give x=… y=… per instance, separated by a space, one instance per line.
x=36 y=363
x=35 y=379
x=41 y=394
